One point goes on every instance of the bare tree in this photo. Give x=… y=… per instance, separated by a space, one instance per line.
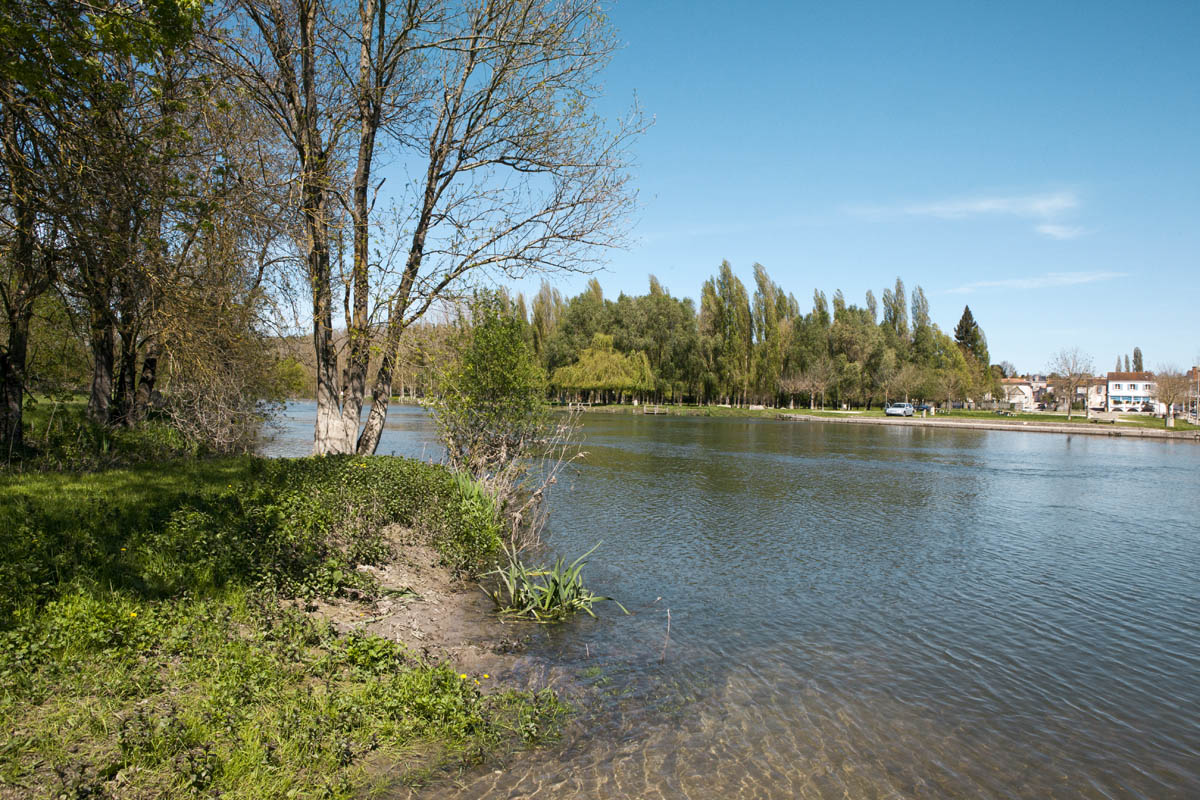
x=818 y=377
x=1170 y=388
x=909 y=379
x=952 y=384
x=1069 y=370
x=486 y=102
x=519 y=174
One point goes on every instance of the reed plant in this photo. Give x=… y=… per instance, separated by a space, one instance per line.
x=542 y=594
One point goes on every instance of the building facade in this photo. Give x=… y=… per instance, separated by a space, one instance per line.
x=1132 y=392
x=1097 y=395
x=1018 y=394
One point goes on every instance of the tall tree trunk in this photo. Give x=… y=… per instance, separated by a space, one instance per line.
x=126 y=386
x=145 y=386
x=329 y=435
x=12 y=385
x=381 y=395
x=19 y=312
x=99 y=400
x=381 y=392
x=369 y=115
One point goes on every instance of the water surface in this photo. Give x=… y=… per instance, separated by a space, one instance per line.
x=870 y=612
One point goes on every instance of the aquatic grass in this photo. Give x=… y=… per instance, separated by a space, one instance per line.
x=543 y=594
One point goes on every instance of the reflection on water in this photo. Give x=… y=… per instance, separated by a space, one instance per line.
x=872 y=612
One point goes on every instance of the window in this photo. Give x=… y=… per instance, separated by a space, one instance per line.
x=1116 y=386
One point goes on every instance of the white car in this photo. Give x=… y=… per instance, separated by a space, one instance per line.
x=899 y=410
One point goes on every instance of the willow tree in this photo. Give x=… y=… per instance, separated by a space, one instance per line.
x=601 y=368
x=727 y=326
x=769 y=344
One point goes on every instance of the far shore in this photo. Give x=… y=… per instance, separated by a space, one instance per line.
x=1024 y=426
x=1040 y=422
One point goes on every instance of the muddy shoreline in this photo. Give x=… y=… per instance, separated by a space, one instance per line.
x=438 y=616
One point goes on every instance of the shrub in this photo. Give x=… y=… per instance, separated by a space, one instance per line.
x=494 y=421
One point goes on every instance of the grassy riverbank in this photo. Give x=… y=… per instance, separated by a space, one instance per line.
x=154 y=639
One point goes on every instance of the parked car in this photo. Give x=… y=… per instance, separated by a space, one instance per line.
x=899 y=410
x=922 y=407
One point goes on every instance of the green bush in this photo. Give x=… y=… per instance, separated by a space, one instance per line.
x=59 y=436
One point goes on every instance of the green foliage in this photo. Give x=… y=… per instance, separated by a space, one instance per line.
x=289 y=379
x=493 y=405
x=970 y=338
x=146 y=644
x=542 y=594
x=59 y=436
x=601 y=368
x=235 y=696
x=299 y=527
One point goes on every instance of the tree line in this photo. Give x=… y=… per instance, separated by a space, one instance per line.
x=742 y=347
x=737 y=347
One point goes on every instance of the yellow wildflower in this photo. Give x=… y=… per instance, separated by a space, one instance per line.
x=463 y=676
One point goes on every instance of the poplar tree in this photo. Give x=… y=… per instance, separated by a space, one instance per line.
x=768 y=345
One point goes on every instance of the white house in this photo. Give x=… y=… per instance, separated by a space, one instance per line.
x=1018 y=393
x=1132 y=391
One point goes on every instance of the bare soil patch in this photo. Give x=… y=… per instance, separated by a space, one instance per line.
x=439 y=616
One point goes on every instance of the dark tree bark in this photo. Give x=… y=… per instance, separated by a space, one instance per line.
x=100 y=399
x=12 y=385
x=145 y=387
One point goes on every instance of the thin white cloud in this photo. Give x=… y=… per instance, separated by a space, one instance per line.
x=1037 y=206
x=1055 y=231
x=1048 y=281
x=1046 y=209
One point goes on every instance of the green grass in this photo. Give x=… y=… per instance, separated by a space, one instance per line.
x=1157 y=422
x=58 y=436
x=151 y=644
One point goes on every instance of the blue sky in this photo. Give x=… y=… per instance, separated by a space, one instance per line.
x=1039 y=161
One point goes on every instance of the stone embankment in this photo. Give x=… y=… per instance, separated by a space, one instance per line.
x=1082 y=429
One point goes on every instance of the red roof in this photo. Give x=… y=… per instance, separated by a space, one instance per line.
x=1131 y=376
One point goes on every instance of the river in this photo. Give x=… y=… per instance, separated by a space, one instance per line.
x=866 y=612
